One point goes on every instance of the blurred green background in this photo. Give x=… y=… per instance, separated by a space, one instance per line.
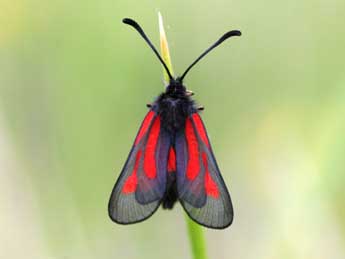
x=74 y=82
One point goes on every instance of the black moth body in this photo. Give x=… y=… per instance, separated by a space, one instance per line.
x=173 y=106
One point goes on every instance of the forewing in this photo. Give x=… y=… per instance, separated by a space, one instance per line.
x=200 y=186
x=142 y=183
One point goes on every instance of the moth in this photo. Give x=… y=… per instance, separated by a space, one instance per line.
x=171 y=159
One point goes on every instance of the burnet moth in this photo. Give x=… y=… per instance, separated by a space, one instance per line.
x=172 y=159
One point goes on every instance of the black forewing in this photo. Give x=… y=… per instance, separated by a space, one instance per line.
x=205 y=198
x=136 y=196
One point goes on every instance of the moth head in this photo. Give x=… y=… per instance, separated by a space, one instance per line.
x=175 y=87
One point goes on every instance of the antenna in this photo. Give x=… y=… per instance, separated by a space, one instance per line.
x=136 y=26
x=218 y=42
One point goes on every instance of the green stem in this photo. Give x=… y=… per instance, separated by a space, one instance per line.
x=197 y=239
x=195 y=232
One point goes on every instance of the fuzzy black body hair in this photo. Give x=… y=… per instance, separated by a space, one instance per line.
x=174 y=111
x=174 y=106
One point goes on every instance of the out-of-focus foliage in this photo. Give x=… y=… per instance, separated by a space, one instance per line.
x=74 y=82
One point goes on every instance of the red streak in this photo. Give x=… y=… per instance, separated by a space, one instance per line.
x=210 y=186
x=150 y=152
x=131 y=182
x=171 y=161
x=193 y=166
x=200 y=128
x=144 y=127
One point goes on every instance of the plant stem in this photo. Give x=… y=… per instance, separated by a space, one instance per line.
x=195 y=232
x=164 y=49
x=197 y=239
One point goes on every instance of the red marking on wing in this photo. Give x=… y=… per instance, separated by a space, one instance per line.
x=172 y=160
x=131 y=182
x=193 y=166
x=144 y=126
x=200 y=128
x=150 y=151
x=210 y=186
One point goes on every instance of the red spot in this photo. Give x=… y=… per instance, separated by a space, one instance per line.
x=210 y=186
x=200 y=128
x=171 y=160
x=131 y=182
x=144 y=126
x=150 y=151
x=193 y=166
